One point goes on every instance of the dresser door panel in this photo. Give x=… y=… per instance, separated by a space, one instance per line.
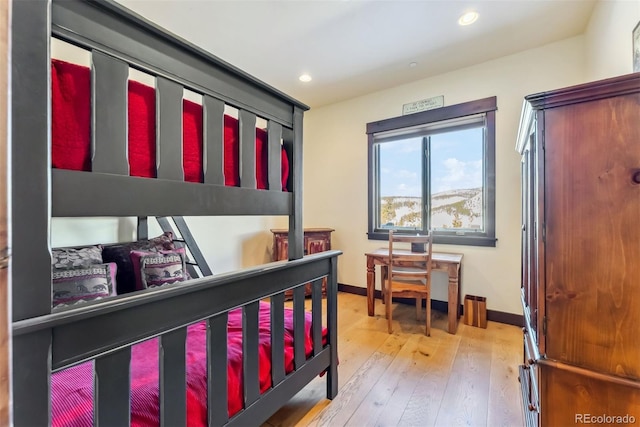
x=593 y=235
x=316 y=245
x=281 y=248
x=574 y=399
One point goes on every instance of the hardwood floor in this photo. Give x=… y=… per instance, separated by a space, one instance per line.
x=409 y=379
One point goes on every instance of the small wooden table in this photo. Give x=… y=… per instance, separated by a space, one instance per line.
x=440 y=261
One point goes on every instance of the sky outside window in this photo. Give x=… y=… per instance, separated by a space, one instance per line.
x=456 y=180
x=456 y=163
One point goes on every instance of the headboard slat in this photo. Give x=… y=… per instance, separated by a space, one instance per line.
x=299 y=356
x=247 y=149
x=217 y=396
x=277 y=338
x=169 y=129
x=213 y=128
x=112 y=389
x=109 y=114
x=250 y=353
x=274 y=158
x=316 y=312
x=173 y=382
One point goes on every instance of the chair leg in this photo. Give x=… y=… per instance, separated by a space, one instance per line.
x=387 y=297
x=418 y=307
x=383 y=280
x=428 y=325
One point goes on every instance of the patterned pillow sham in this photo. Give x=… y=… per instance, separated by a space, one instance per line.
x=71 y=258
x=83 y=284
x=159 y=268
x=120 y=254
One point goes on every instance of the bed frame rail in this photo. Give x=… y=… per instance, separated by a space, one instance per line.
x=83 y=194
x=70 y=337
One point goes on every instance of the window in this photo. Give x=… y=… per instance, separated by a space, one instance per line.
x=435 y=170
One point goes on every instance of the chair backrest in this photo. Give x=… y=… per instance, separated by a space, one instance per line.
x=421 y=260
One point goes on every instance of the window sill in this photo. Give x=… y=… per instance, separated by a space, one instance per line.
x=446 y=239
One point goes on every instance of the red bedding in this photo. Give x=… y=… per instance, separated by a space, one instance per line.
x=71 y=131
x=72 y=389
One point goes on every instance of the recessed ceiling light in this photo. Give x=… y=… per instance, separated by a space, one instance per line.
x=413 y=64
x=305 y=78
x=468 y=18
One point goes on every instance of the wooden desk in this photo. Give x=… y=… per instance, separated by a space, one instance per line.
x=447 y=262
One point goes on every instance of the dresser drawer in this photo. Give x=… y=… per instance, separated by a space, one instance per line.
x=531 y=414
x=530 y=359
x=529 y=382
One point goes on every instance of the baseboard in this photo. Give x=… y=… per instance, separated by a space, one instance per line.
x=493 y=315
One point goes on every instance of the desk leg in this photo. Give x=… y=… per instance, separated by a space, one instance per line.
x=453 y=310
x=371 y=286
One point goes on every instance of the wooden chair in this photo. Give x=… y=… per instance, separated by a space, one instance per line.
x=409 y=274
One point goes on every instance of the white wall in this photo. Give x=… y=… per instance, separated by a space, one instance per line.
x=335 y=158
x=608 y=38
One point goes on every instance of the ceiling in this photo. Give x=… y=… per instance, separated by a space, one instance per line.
x=354 y=47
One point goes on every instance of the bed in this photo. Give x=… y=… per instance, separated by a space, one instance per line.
x=115 y=344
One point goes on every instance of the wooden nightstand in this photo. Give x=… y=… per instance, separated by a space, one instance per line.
x=315 y=240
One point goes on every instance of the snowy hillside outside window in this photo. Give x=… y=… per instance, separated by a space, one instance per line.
x=435 y=170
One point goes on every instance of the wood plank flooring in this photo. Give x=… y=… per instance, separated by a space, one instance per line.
x=409 y=379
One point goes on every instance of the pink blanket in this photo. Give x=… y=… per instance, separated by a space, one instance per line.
x=72 y=389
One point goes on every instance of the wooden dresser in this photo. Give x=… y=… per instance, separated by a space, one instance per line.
x=580 y=150
x=315 y=240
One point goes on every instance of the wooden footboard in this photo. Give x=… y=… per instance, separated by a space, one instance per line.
x=105 y=332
